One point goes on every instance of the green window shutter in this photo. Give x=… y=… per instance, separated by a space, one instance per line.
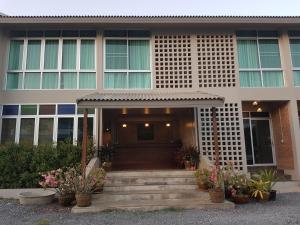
x=248 y=54
x=87 y=54
x=14 y=81
x=139 y=54
x=297 y=78
x=50 y=81
x=28 y=109
x=250 y=79
x=87 y=80
x=51 y=54
x=69 y=54
x=115 y=80
x=273 y=79
x=68 y=81
x=140 y=80
x=295 y=50
x=15 y=55
x=116 y=54
x=269 y=54
x=32 y=80
x=33 y=55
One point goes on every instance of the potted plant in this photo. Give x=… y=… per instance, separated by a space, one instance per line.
x=106 y=156
x=203 y=176
x=259 y=189
x=216 y=191
x=98 y=179
x=271 y=177
x=84 y=188
x=191 y=156
x=240 y=189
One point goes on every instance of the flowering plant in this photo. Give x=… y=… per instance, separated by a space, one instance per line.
x=216 y=178
x=49 y=179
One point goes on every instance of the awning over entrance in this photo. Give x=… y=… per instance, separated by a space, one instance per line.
x=150 y=99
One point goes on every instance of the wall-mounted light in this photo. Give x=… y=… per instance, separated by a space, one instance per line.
x=124 y=125
x=168 y=124
x=168 y=111
x=146 y=124
x=107 y=129
x=124 y=111
x=255 y=103
x=146 y=111
x=259 y=109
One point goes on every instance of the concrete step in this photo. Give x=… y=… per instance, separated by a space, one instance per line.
x=151 y=173
x=170 y=187
x=146 y=195
x=202 y=202
x=117 y=181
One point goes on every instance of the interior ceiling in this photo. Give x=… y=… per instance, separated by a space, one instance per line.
x=147 y=111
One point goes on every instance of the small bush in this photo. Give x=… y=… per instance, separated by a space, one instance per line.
x=21 y=164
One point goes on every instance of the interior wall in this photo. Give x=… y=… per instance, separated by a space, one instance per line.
x=187 y=129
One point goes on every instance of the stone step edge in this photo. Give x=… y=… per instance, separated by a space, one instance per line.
x=150 y=192
x=151 y=177
x=149 y=185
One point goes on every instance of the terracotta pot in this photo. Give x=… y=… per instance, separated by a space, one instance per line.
x=83 y=199
x=240 y=199
x=202 y=186
x=187 y=165
x=107 y=166
x=66 y=199
x=265 y=197
x=216 y=196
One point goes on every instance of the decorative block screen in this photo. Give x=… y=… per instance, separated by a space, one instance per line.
x=173 y=61
x=216 y=61
x=229 y=135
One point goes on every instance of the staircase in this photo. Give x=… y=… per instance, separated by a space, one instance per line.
x=150 y=190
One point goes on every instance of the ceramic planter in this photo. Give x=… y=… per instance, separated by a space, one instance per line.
x=216 y=196
x=36 y=197
x=66 y=199
x=83 y=199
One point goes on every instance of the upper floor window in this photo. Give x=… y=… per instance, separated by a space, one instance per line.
x=127 y=60
x=52 y=60
x=295 y=51
x=259 y=59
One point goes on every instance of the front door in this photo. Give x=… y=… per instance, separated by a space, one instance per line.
x=258 y=140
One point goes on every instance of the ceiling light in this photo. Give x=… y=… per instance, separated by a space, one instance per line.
x=146 y=124
x=255 y=103
x=168 y=124
x=124 y=125
x=259 y=109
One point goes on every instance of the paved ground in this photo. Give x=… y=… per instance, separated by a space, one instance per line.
x=286 y=210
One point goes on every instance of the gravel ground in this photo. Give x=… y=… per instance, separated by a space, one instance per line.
x=286 y=210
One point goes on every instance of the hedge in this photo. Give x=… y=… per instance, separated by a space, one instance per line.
x=20 y=165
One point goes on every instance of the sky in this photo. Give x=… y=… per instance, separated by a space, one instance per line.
x=151 y=7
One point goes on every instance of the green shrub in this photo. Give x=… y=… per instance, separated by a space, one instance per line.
x=21 y=164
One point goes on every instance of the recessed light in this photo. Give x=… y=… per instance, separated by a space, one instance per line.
x=124 y=125
x=168 y=124
x=259 y=109
x=255 y=103
x=146 y=124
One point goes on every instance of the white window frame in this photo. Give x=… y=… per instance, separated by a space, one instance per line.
x=127 y=71
x=59 y=70
x=295 y=69
x=55 y=121
x=260 y=69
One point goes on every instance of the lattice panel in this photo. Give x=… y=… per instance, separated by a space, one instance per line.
x=173 y=61
x=216 y=61
x=229 y=135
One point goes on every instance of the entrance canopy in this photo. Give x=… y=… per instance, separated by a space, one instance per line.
x=150 y=99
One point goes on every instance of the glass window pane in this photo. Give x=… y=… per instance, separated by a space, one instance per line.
x=248 y=142
x=140 y=80
x=65 y=129
x=10 y=110
x=46 y=130
x=33 y=54
x=248 y=54
x=80 y=129
x=69 y=54
x=27 y=130
x=50 y=81
x=51 y=54
x=116 y=54
x=81 y=111
x=115 y=80
x=66 y=109
x=250 y=79
x=88 y=33
x=139 y=33
x=14 y=81
x=35 y=33
x=295 y=50
x=70 y=33
x=32 y=80
x=273 y=79
x=139 y=55
x=28 y=109
x=52 y=33
x=297 y=78
x=15 y=55
x=87 y=80
x=68 y=81
x=47 y=110
x=87 y=54
x=269 y=54
x=115 y=33
x=8 y=131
